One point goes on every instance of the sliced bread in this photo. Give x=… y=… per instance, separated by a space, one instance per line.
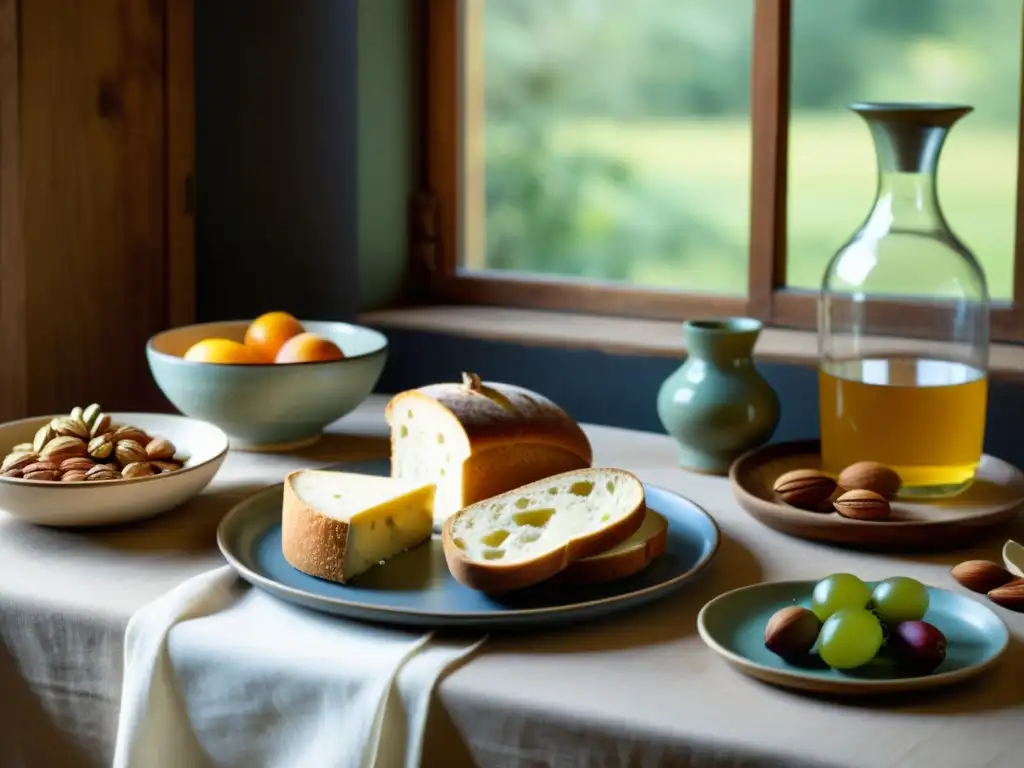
x=528 y=535
x=337 y=525
x=477 y=439
x=625 y=559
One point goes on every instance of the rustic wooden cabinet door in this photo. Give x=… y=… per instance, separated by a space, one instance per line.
x=96 y=232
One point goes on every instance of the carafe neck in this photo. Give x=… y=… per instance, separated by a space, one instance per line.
x=908 y=142
x=907 y=201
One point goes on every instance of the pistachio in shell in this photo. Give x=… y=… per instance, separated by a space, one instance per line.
x=160 y=449
x=19 y=460
x=43 y=436
x=91 y=412
x=101 y=447
x=137 y=469
x=100 y=425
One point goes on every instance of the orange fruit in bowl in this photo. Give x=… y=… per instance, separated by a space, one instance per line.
x=268 y=332
x=309 y=348
x=224 y=351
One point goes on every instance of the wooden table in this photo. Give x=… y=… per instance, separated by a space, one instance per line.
x=641 y=689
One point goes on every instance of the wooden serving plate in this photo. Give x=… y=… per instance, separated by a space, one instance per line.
x=992 y=500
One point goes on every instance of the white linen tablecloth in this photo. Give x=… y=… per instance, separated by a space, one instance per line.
x=635 y=691
x=218 y=673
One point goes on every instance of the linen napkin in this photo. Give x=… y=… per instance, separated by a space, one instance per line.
x=218 y=673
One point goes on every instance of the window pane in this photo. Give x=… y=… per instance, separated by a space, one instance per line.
x=882 y=50
x=608 y=140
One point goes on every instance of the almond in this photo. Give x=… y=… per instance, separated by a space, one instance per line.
x=804 y=488
x=791 y=632
x=862 y=505
x=870 y=476
x=13 y=474
x=74 y=476
x=1009 y=595
x=981 y=576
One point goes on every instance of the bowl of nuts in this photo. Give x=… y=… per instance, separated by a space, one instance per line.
x=89 y=467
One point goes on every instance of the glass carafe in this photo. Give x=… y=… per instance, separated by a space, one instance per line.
x=903 y=321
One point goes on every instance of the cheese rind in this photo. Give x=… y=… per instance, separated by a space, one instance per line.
x=337 y=525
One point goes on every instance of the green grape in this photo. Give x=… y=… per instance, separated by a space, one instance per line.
x=900 y=599
x=850 y=638
x=836 y=592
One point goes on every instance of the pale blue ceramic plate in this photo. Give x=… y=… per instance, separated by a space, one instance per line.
x=416 y=588
x=733 y=625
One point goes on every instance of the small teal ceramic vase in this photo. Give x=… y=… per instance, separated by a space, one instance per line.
x=717 y=405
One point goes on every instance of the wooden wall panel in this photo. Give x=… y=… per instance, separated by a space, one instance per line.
x=85 y=107
x=13 y=267
x=180 y=141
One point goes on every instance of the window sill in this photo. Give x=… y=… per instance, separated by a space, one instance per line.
x=618 y=335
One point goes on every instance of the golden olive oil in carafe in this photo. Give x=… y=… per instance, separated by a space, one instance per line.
x=924 y=418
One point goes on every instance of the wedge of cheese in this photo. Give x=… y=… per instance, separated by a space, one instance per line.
x=337 y=525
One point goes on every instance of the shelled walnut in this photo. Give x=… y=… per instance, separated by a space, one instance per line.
x=86 y=446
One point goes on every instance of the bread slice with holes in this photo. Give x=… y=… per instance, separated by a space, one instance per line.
x=337 y=525
x=623 y=560
x=526 y=536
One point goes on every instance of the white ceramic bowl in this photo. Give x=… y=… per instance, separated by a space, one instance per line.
x=106 y=502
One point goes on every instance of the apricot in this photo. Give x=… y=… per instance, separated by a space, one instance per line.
x=224 y=351
x=309 y=348
x=268 y=332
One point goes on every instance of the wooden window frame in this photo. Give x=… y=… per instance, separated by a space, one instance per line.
x=450 y=165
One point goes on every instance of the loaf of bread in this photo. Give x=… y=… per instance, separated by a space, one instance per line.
x=477 y=439
x=337 y=525
x=623 y=560
x=526 y=536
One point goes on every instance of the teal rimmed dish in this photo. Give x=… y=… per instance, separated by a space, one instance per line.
x=733 y=625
